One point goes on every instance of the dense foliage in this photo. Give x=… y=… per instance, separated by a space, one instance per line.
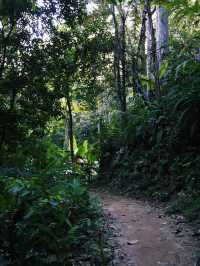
x=157 y=154
x=47 y=216
x=88 y=87
x=48 y=222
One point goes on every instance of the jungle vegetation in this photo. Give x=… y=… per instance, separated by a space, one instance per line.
x=104 y=92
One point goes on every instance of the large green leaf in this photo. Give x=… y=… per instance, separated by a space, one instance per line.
x=83 y=149
x=163 y=69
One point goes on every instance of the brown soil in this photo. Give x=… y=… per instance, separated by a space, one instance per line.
x=146 y=236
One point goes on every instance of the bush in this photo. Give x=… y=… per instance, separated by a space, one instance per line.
x=47 y=223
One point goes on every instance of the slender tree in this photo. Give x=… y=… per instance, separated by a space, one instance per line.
x=162 y=33
x=152 y=57
x=123 y=17
x=120 y=55
x=149 y=42
x=70 y=124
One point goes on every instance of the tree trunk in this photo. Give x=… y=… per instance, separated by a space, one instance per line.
x=137 y=86
x=3 y=53
x=152 y=59
x=162 y=33
x=117 y=74
x=149 y=58
x=70 y=126
x=123 y=62
x=120 y=59
x=66 y=136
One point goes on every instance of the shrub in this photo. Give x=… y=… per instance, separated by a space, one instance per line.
x=47 y=223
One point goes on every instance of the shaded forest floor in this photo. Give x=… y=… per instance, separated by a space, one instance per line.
x=146 y=236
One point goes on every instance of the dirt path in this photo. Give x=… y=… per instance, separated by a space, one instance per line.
x=146 y=236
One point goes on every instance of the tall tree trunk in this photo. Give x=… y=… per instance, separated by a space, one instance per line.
x=123 y=62
x=152 y=59
x=137 y=86
x=66 y=136
x=70 y=126
x=149 y=58
x=3 y=54
x=162 y=33
x=120 y=58
x=117 y=74
x=141 y=43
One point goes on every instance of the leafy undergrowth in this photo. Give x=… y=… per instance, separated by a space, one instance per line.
x=157 y=154
x=50 y=220
x=173 y=180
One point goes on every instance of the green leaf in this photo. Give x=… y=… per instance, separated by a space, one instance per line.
x=83 y=149
x=75 y=146
x=163 y=69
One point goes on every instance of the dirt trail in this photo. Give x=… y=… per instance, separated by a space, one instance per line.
x=146 y=236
